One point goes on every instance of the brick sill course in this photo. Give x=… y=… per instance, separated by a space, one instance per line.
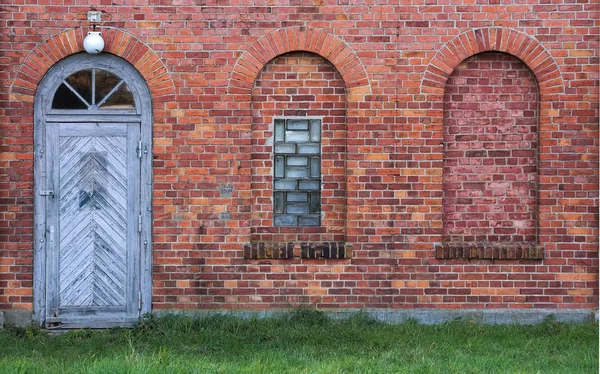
x=489 y=251
x=291 y=250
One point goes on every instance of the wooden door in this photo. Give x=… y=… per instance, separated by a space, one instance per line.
x=94 y=222
x=93 y=194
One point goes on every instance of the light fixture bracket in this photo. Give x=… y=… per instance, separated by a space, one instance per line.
x=94 y=16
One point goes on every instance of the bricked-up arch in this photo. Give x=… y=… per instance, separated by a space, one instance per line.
x=550 y=83
x=513 y=42
x=490 y=157
x=69 y=42
x=292 y=39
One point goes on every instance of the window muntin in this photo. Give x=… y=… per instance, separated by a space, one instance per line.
x=297 y=172
x=93 y=89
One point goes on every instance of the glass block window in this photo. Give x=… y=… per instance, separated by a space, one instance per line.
x=297 y=172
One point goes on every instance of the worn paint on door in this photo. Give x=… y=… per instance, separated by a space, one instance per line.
x=93 y=200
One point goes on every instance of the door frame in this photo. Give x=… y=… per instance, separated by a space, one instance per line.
x=43 y=112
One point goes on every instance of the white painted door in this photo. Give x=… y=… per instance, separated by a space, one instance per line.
x=93 y=220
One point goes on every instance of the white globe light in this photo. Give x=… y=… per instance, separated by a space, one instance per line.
x=93 y=42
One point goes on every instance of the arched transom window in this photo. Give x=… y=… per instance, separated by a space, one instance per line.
x=93 y=89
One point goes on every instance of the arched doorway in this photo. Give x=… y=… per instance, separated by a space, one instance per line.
x=93 y=134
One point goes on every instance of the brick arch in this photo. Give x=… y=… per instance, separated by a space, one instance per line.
x=527 y=49
x=320 y=42
x=69 y=42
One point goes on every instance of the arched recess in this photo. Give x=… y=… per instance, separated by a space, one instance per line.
x=327 y=243
x=298 y=101
x=490 y=177
x=550 y=84
x=306 y=39
x=69 y=42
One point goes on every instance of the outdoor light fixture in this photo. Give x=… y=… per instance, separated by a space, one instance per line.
x=93 y=42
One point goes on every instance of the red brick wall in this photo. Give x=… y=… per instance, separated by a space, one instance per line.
x=201 y=64
x=490 y=155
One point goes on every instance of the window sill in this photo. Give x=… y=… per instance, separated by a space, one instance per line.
x=489 y=251
x=291 y=250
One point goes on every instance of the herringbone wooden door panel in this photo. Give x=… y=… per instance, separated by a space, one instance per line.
x=93 y=221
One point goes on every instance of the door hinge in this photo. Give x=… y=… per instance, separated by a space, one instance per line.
x=140 y=301
x=139 y=150
x=139 y=223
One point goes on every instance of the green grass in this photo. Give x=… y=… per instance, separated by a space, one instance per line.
x=304 y=342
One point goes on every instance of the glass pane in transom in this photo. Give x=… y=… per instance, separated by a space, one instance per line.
x=112 y=92
x=121 y=98
x=75 y=92
x=105 y=83
x=65 y=98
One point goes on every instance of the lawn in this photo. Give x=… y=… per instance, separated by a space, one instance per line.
x=304 y=342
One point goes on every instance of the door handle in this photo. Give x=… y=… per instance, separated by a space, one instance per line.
x=47 y=193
